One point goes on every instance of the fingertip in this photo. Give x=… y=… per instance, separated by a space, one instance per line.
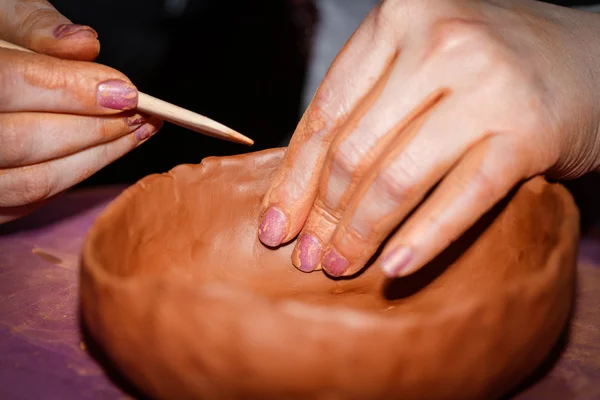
x=66 y=41
x=150 y=128
x=76 y=31
x=307 y=253
x=397 y=262
x=334 y=263
x=273 y=226
x=117 y=94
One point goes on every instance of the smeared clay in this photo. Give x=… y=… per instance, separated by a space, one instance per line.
x=186 y=301
x=77 y=89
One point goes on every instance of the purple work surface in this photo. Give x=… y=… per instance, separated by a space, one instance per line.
x=44 y=354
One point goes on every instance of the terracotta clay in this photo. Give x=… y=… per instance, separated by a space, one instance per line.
x=186 y=301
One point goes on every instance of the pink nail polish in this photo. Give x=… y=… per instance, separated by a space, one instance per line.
x=136 y=120
x=273 y=227
x=117 y=95
x=307 y=253
x=334 y=263
x=67 y=30
x=145 y=131
x=394 y=262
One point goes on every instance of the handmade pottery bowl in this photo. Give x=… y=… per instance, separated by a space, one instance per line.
x=187 y=303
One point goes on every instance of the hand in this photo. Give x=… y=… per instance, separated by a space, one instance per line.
x=431 y=114
x=61 y=120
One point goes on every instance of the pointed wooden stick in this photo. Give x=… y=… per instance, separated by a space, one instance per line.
x=174 y=114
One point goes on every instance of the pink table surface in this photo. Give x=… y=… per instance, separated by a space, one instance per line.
x=44 y=353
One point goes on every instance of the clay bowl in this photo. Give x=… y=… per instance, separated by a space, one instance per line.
x=187 y=303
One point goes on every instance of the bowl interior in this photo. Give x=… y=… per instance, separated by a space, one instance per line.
x=200 y=223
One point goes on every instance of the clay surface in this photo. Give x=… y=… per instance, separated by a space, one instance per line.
x=179 y=292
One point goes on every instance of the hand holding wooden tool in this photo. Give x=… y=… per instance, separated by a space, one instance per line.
x=174 y=114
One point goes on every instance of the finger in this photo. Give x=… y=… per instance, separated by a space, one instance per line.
x=480 y=180
x=31 y=184
x=38 y=26
x=352 y=155
x=414 y=163
x=31 y=138
x=33 y=82
x=352 y=83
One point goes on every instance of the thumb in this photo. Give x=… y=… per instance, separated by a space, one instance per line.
x=38 y=26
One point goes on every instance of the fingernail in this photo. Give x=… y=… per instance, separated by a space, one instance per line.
x=65 y=30
x=117 y=95
x=273 y=228
x=334 y=263
x=135 y=120
x=145 y=131
x=307 y=253
x=394 y=262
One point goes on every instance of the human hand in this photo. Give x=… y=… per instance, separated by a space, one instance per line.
x=61 y=118
x=431 y=114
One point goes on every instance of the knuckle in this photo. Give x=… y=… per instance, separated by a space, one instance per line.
x=390 y=9
x=468 y=42
x=472 y=45
x=454 y=34
x=484 y=187
x=325 y=213
x=388 y=16
x=316 y=120
x=358 y=236
x=345 y=160
x=110 y=128
x=383 y=17
x=105 y=128
x=397 y=183
x=398 y=180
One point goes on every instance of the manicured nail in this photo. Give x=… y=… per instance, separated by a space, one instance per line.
x=307 y=253
x=273 y=228
x=117 y=95
x=71 y=30
x=334 y=263
x=145 y=131
x=135 y=120
x=394 y=262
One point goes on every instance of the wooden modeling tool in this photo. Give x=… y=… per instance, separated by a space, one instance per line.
x=175 y=114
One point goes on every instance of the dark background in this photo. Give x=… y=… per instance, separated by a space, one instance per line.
x=239 y=62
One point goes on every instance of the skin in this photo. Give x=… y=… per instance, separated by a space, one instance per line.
x=62 y=118
x=430 y=114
